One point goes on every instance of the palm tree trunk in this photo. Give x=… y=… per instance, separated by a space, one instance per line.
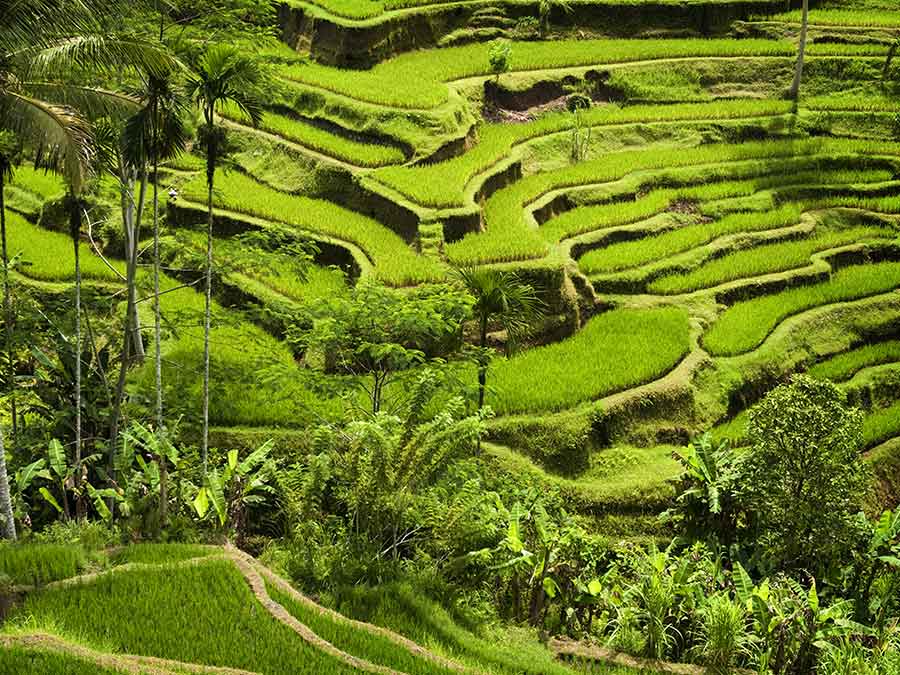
x=9 y=523
x=8 y=315
x=482 y=365
x=75 y=223
x=157 y=338
x=206 y=325
x=794 y=93
x=134 y=318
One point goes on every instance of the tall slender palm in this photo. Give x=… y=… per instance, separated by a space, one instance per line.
x=8 y=525
x=153 y=134
x=223 y=75
x=41 y=43
x=6 y=175
x=794 y=92
x=504 y=298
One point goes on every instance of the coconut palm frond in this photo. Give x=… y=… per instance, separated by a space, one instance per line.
x=61 y=136
x=90 y=102
x=101 y=53
x=224 y=75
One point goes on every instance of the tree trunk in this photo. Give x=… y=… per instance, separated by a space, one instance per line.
x=8 y=316
x=9 y=523
x=135 y=320
x=157 y=337
x=206 y=326
x=794 y=93
x=482 y=365
x=75 y=226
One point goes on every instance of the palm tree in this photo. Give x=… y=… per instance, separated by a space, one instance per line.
x=41 y=43
x=223 y=76
x=6 y=175
x=794 y=92
x=545 y=8
x=500 y=297
x=153 y=134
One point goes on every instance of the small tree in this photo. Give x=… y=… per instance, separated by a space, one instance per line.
x=380 y=332
x=802 y=481
x=499 y=56
x=545 y=9
x=502 y=297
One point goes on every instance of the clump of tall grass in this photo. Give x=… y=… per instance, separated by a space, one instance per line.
x=395 y=262
x=38 y=564
x=203 y=613
x=745 y=325
x=846 y=365
x=617 y=350
x=369 y=646
x=764 y=259
x=724 y=637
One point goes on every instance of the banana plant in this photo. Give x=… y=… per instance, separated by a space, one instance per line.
x=63 y=479
x=239 y=486
x=22 y=482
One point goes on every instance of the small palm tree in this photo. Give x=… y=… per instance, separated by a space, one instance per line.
x=794 y=92
x=156 y=133
x=6 y=176
x=545 y=7
x=223 y=76
x=504 y=298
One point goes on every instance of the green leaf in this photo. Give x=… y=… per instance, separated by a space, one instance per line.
x=551 y=588
x=201 y=502
x=232 y=459
x=45 y=493
x=57 y=457
x=594 y=587
x=217 y=496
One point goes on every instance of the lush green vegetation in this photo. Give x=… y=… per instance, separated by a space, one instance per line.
x=746 y=324
x=435 y=334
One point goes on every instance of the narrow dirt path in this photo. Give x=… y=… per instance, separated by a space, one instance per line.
x=405 y=643
x=141 y=665
x=258 y=587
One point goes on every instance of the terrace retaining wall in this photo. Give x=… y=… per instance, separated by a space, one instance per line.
x=360 y=44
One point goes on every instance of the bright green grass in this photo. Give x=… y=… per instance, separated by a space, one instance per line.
x=368 y=646
x=844 y=366
x=443 y=184
x=619 y=476
x=156 y=554
x=48 y=186
x=202 y=614
x=619 y=349
x=36 y=564
x=745 y=325
x=275 y=273
x=881 y=425
x=508 y=237
x=843 y=17
x=395 y=262
x=412 y=614
x=764 y=259
x=50 y=256
x=418 y=79
x=322 y=141
x=18 y=661
x=633 y=253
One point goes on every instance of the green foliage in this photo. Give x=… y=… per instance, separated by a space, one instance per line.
x=499 y=57
x=381 y=332
x=38 y=564
x=846 y=364
x=613 y=351
x=745 y=325
x=361 y=643
x=725 y=639
x=15 y=660
x=802 y=481
x=201 y=614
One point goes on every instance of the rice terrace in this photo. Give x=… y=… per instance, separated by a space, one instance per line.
x=419 y=337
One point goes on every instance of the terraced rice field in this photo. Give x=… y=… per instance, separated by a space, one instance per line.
x=699 y=250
